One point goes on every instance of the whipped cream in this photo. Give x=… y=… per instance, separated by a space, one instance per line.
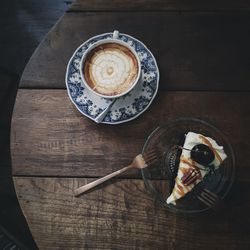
x=111 y=69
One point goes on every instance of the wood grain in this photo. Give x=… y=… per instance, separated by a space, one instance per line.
x=122 y=216
x=194 y=51
x=51 y=138
x=158 y=5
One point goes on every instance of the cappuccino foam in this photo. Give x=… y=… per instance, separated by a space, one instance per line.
x=110 y=69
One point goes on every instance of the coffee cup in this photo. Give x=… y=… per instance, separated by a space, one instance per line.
x=110 y=67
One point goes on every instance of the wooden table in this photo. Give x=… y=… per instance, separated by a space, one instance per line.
x=203 y=54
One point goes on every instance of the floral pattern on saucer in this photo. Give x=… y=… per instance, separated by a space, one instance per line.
x=127 y=107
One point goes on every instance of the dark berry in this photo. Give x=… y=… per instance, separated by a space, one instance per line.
x=202 y=154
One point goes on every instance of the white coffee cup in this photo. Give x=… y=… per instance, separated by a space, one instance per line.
x=114 y=39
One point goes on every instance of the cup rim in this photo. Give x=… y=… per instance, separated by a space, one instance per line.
x=103 y=41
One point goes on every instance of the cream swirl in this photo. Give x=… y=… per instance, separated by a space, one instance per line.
x=110 y=69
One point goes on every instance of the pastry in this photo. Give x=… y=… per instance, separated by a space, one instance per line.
x=199 y=155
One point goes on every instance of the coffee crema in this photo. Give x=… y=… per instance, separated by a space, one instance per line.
x=110 y=69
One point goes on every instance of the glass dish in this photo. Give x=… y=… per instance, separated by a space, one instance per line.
x=159 y=177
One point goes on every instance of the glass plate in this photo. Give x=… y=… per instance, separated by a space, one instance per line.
x=159 y=177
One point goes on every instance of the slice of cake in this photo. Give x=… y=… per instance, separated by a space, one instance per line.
x=188 y=165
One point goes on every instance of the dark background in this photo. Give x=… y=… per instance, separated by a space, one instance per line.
x=23 y=24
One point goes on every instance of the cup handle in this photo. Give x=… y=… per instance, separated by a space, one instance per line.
x=116 y=34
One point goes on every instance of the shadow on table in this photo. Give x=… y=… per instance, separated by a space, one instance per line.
x=235 y=215
x=23 y=24
x=238 y=202
x=11 y=217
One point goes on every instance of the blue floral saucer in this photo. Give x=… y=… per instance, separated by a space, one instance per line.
x=127 y=107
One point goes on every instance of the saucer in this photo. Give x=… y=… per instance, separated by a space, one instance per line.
x=127 y=107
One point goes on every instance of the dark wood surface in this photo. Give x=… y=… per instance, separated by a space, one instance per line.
x=51 y=138
x=203 y=56
x=159 y=5
x=194 y=50
x=122 y=215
